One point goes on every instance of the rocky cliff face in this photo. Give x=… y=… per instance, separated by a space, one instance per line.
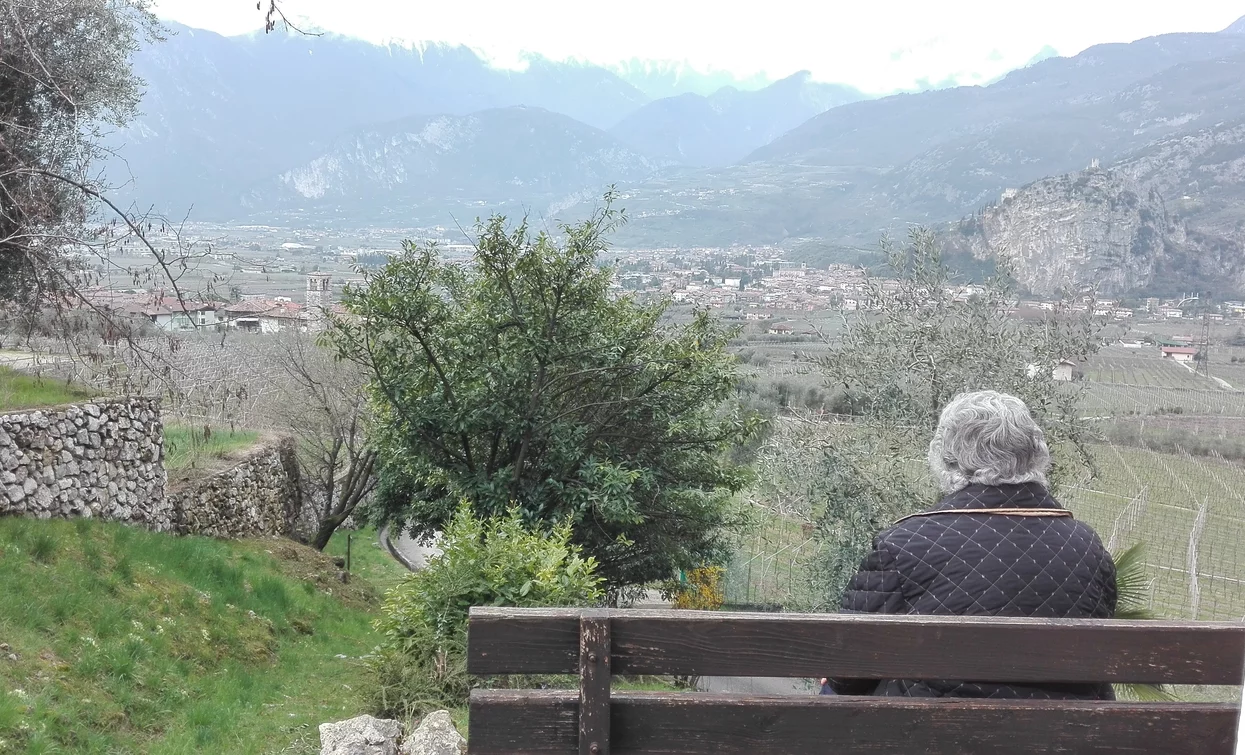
x=1169 y=217
x=1093 y=226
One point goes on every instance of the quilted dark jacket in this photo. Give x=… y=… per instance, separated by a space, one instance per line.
x=985 y=565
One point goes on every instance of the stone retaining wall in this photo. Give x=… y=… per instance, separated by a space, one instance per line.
x=105 y=460
x=101 y=460
x=258 y=495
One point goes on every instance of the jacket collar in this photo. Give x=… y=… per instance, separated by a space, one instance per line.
x=1029 y=495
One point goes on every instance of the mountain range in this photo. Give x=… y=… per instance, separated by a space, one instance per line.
x=842 y=178
x=665 y=78
x=492 y=160
x=223 y=116
x=348 y=132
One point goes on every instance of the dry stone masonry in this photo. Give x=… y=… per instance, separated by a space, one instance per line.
x=257 y=495
x=105 y=460
x=100 y=460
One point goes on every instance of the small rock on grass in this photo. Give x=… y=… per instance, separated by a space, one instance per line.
x=362 y=735
x=435 y=735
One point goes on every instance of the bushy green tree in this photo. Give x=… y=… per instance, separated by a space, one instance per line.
x=926 y=338
x=421 y=663
x=522 y=379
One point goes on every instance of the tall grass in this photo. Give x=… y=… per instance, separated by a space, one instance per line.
x=187 y=447
x=22 y=391
x=130 y=641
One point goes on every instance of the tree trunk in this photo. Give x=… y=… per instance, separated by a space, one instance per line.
x=328 y=525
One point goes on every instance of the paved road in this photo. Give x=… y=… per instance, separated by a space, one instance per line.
x=417 y=555
x=758 y=685
x=26 y=360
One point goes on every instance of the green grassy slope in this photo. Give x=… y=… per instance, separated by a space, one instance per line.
x=133 y=642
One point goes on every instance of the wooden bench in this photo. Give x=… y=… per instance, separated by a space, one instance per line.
x=597 y=645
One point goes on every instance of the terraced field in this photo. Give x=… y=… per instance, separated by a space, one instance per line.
x=1105 y=399
x=1190 y=514
x=1118 y=365
x=1139 y=381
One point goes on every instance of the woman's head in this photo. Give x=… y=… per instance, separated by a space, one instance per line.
x=989 y=438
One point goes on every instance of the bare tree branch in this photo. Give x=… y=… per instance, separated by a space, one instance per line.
x=275 y=15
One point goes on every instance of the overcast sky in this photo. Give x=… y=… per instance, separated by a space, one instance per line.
x=876 y=45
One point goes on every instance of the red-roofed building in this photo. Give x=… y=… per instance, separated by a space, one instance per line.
x=289 y=316
x=1179 y=353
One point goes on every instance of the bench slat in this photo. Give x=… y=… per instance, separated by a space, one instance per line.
x=546 y=641
x=529 y=722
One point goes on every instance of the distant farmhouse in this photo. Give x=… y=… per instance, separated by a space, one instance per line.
x=1063 y=371
x=1178 y=353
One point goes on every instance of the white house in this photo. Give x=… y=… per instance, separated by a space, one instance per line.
x=1063 y=370
x=167 y=313
x=1179 y=353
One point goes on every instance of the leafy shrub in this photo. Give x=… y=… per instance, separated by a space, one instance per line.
x=421 y=664
x=703 y=590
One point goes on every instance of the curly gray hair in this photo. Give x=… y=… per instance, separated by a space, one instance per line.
x=987 y=438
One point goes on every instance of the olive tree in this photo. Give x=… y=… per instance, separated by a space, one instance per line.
x=924 y=337
x=65 y=79
x=522 y=378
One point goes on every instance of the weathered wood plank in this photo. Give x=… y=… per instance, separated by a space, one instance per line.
x=534 y=641
x=594 y=684
x=536 y=645
x=523 y=723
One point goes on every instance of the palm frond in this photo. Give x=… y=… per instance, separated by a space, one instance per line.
x=1132 y=585
x=1133 y=588
x=1144 y=693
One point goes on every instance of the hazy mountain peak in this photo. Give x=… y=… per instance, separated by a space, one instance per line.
x=668 y=78
x=728 y=124
x=1045 y=53
x=1236 y=27
x=798 y=76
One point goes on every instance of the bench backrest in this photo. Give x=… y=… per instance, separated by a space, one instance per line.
x=596 y=645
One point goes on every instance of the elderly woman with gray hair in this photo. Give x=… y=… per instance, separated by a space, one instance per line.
x=998 y=544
